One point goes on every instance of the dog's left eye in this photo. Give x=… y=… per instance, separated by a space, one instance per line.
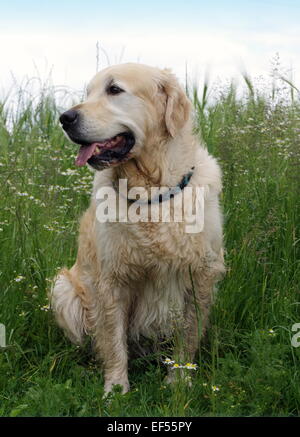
x=114 y=89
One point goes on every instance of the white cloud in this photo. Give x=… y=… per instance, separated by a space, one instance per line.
x=73 y=56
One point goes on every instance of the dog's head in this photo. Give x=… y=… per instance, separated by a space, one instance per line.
x=126 y=105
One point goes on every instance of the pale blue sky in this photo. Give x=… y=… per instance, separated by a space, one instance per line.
x=223 y=34
x=251 y=15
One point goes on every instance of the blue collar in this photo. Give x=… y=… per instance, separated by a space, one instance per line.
x=169 y=194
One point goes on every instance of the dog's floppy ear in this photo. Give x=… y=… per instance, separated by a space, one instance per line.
x=178 y=106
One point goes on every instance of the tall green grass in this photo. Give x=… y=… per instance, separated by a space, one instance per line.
x=247 y=364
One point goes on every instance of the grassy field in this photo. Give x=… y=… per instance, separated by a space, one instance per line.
x=247 y=366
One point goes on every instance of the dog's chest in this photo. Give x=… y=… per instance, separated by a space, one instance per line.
x=153 y=262
x=146 y=249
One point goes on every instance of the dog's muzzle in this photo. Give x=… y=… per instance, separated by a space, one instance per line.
x=99 y=154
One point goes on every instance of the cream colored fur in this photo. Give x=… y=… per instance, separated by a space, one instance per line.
x=133 y=279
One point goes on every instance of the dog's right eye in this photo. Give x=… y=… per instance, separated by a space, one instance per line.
x=114 y=89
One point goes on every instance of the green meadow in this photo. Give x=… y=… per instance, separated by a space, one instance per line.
x=247 y=365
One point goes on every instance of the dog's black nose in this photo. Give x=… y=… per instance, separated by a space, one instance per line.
x=69 y=117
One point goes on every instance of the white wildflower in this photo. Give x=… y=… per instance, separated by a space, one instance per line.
x=19 y=278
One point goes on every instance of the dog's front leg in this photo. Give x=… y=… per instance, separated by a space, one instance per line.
x=190 y=330
x=111 y=334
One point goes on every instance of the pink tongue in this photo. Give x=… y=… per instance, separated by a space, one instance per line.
x=84 y=154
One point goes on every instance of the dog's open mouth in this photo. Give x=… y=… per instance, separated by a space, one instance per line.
x=105 y=153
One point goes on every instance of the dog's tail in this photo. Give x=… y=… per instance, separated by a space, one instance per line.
x=69 y=301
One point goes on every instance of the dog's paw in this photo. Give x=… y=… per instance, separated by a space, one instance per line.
x=112 y=385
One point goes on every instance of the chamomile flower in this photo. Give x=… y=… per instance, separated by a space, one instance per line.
x=68 y=172
x=168 y=361
x=215 y=388
x=19 y=278
x=177 y=366
x=191 y=366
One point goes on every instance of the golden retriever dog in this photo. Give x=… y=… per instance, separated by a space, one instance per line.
x=134 y=279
